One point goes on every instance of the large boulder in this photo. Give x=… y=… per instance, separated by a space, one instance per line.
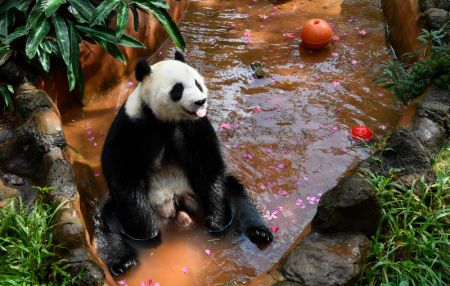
x=436 y=18
x=321 y=260
x=348 y=207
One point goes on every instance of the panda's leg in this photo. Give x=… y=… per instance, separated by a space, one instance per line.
x=245 y=215
x=112 y=246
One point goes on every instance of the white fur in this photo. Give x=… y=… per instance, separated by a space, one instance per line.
x=133 y=106
x=157 y=86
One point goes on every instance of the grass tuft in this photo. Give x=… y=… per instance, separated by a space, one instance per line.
x=28 y=254
x=411 y=245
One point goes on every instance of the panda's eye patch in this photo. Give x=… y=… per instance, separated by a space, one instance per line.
x=198 y=85
x=177 y=91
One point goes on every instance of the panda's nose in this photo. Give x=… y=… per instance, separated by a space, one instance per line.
x=200 y=102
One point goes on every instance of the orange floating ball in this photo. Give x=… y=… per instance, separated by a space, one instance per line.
x=316 y=34
x=362 y=133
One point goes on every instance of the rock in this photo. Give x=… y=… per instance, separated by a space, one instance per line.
x=31 y=101
x=436 y=18
x=436 y=107
x=287 y=283
x=13 y=180
x=321 y=260
x=431 y=134
x=59 y=177
x=6 y=194
x=5 y=134
x=348 y=207
x=426 y=4
x=47 y=122
x=405 y=153
x=93 y=275
x=442 y=4
x=70 y=231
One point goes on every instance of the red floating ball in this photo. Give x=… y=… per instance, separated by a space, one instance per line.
x=362 y=133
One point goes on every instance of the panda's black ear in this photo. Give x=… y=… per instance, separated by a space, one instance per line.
x=179 y=56
x=142 y=69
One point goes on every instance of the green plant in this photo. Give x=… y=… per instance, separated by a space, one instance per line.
x=410 y=81
x=6 y=92
x=44 y=29
x=28 y=254
x=411 y=245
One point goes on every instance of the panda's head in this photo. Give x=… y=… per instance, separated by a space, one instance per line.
x=173 y=90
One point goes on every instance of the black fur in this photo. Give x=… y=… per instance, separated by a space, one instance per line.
x=179 y=56
x=142 y=69
x=199 y=86
x=130 y=148
x=177 y=91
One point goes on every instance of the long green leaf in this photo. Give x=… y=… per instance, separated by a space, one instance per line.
x=6 y=5
x=103 y=10
x=5 y=54
x=23 y=5
x=122 y=19
x=35 y=37
x=166 y=20
x=7 y=100
x=36 y=15
x=62 y=36
x=4 y=23
x=158 y=3
x=73 y=68
x=44 y=59
x=109 y=36
x=50 y=6
x=135 y=18
x=18 y=32
x=84 y=7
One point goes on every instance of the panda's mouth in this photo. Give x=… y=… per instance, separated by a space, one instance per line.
x=193 y=113
x=201 y=112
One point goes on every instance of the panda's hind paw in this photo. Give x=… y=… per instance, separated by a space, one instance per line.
x=119 y=268
x=259 y=234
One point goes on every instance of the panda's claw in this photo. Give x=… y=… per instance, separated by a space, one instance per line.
x=260 y=234
x=121 y=267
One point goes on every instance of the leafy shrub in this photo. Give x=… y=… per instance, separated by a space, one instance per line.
x=409 y=82
x=411 y=245
x=44 y=29
x=27 y=249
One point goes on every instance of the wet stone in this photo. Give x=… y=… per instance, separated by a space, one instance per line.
x=350 y=206
x=436 y=18
x=93 y=275
x=69 y=230
x=47 y=122
x=6 y=193
x=431 y=134
x=13 y=180
x=436 y=107
x=405 y=153
x=31 y=101
x=321 y=260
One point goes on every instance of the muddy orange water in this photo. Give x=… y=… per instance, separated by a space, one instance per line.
x=285 y=136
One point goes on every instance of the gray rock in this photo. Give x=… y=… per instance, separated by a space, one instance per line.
x=287 y=283
x=93 y=275
x=442 y=4
x=436 y=18
x=5 y=134
x=321 y=260
x=70 y=231
x=31 y=101
x=405 y=152
x=431 y=134
x=13 y=180
x=436 y=107
x=348 y=207
x=426 y=4
x=59 y=176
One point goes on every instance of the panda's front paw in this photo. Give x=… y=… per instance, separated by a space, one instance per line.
x=120 y=267
x=259 y=234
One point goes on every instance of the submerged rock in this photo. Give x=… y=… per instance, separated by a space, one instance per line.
x=350 y=206
x=321 y=260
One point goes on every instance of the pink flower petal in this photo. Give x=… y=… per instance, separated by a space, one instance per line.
x=257 y=109
x=269 y=150
x=208 y=252
x=225 y=126
x=275 y=228
x=130 y=83
x=281 y=166
x=354 y=62
x=143 y=283
x=184 y=269
x=156 y=284
x=289 y=35
x=362 y=32
x=336 y=38
x=334 y=54
x=149 y=282
x=336 y=83
x=121 y=282
x=248 y=156
x=97 y=174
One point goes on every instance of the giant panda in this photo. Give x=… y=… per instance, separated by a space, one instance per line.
x=162 y=159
